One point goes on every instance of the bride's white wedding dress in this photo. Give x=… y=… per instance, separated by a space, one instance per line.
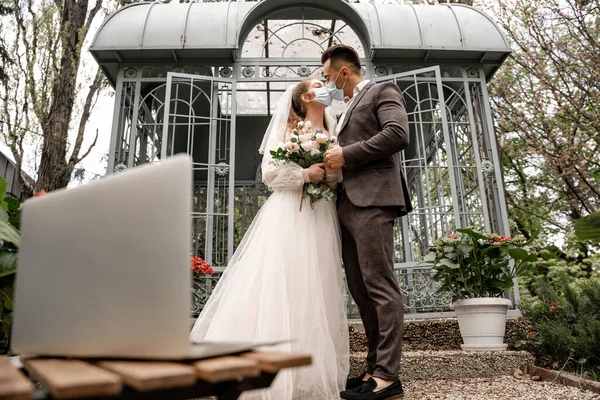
x=285 y=282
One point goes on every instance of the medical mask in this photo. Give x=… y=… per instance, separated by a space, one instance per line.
x=323 y=96
x=336 y=94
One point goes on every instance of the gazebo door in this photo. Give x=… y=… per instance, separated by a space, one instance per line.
x=428 y=163
x=200 y=120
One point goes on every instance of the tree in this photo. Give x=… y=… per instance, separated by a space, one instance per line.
x=546 y=110
x=4 y=57
x=42 y=86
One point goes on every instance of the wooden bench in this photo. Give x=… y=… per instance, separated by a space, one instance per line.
x=225 y=377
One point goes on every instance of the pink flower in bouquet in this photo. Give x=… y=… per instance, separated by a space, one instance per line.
x=334 y=139
x=321 y=138
x=307 y=146
x=307 y=125
x=289 y=145
x=301 y=125
x=304 y=138
x=315 y=145
x=295 y=147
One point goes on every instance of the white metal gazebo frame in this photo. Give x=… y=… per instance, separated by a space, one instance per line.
x=164 y=59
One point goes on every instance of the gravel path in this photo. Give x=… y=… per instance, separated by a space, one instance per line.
x=502 y=388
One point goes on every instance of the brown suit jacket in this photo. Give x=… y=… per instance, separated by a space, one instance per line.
x=373 y=133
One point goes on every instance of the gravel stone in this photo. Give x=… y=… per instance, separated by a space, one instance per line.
x=499 y=388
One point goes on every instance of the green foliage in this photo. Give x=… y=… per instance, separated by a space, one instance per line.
x=9 y=244
x=566 y=320
x=588 y=228
x=547 y=117
x=475 y=264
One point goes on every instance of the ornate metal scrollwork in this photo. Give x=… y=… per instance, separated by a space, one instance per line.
x=222 y=169
x=248 y=72
x=226 y=72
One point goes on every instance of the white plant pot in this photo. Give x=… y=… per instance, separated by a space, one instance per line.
x=482 y=323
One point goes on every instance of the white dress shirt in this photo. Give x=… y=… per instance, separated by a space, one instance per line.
x=355 y=92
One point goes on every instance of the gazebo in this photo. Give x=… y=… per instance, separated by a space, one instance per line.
x=204 y=77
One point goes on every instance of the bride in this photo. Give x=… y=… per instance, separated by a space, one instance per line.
x=284 y=281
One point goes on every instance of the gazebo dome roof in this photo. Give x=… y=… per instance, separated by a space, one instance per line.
x=157 y=33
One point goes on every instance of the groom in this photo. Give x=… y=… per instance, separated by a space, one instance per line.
x=371 y=133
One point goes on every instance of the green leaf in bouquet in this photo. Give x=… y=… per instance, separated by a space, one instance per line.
x=293 y=139
x=307 y=158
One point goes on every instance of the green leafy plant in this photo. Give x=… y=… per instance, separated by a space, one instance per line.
x=565 y=317
x=472 y=264
x=588 y=228
x=9 y=245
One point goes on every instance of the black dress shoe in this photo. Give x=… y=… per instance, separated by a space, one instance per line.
x=367 y=392
x=353 y=383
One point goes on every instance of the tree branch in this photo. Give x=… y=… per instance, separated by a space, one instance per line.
x=85 y=116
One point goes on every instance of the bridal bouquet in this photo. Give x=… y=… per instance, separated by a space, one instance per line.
x=305 y=148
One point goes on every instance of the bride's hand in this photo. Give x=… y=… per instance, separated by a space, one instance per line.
x=316 y=172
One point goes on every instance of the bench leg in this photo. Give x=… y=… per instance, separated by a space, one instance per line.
x=230 y=393
x=234 y=391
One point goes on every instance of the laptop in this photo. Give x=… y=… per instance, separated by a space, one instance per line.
x=104 y=269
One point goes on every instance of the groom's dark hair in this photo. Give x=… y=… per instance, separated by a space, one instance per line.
x=341 y=55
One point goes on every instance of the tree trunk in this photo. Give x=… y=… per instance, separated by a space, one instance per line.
x=54 y=171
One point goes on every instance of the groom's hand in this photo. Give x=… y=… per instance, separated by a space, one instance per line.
x=334 y=158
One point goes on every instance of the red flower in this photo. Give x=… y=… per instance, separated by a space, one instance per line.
x=40 y=193
x=501 y=239
x=200 y=266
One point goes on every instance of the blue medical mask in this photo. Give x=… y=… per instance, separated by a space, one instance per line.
x=336 y=94
x=322 y=96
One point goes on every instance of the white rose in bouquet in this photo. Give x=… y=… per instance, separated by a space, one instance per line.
x=307 y=146
x=321 y=138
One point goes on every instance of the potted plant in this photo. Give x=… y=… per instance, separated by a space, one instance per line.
x=478 y=269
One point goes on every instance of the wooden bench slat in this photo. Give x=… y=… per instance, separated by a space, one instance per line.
x=226 y=368
x=66 y=379
x=274 y=362
x=13 y=384
x=152 y=375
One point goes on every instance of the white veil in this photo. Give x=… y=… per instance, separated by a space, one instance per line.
x=276 y=131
